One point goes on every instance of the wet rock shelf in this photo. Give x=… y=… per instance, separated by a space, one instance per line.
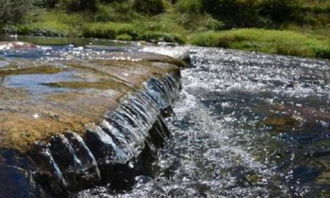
x=67 y=125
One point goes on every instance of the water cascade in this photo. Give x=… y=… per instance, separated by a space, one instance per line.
x=111 y=152
x=241 y=124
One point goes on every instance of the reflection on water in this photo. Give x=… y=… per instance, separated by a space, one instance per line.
x=66 y=48
x=60 y=41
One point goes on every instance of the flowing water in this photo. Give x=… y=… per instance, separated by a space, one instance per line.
x=245 y=125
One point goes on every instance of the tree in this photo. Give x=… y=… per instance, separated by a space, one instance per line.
x=12 y=11
x=239 y=13
x=77 y=5
x=279 y=10
x=149 y=6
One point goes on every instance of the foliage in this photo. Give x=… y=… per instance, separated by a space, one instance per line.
x=46 y=3
x=190 y=6
x=235 y=13
x=150 y=7
x=52 y=24
x=124 y=37
x=76 y=5
x=112 y=30
x=279 y=10
x=108 y=30
x=153 y=36
x=13 y=11
x=115 y=11
x=192 y=21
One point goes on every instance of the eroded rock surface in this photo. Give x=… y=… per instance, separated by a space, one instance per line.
x=83 y=122
x=39 y=100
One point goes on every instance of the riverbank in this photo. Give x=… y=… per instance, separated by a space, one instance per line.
x=282 y=42
x=268 y=41
x=298 y=28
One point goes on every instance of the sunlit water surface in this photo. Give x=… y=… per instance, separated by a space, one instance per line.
x=245 y=125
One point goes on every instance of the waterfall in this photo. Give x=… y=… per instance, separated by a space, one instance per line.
x=122 y=146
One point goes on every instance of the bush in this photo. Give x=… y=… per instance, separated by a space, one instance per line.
x=159 y=36
x=109 y=30
x=279 y=10
x=50 y=23
x=116 y=11
x=199 y=22
x=77 y=5
x=150 y=7
x=125 y=37
x=8 y=29
x=124 y=31
x=323 y=52
x=235 y=13
x=190 y=6
x=46 y=3
x=12 y=11
x=51 y=28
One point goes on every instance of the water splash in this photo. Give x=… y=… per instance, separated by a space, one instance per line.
x=244 y=126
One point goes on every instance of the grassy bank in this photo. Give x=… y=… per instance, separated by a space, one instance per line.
x=268 y=41
x=288 y=27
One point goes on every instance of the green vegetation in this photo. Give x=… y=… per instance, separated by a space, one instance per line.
x=289 y=27
x=13 y=11
x=269 y=41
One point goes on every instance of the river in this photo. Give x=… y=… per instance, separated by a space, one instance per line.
x=245 y=125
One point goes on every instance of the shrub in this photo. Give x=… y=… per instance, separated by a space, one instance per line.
x=51 y=28
x=76 y=5
x=52 y=23
x=159 y=36
x=125 y=37
x=199 y=22
x=235 y=13
x=323 y=52
x=12 y=11
x=190 y=6
x=150 y=7
x=46 y=3
x=109 y=30
x=116 y=11
x=8 y=29
x=279 y=10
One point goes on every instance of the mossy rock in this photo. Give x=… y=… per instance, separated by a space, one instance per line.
x=281 y=123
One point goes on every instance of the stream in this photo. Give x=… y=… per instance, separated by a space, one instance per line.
x=245 y=125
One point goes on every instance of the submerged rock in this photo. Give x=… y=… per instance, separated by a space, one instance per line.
x=88 y=122
x=17 y=45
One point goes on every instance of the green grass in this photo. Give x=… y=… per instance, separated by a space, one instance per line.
x=127 y=31
x=186 y=22
x=108 y=30
x=52 y=23
x=268 y=41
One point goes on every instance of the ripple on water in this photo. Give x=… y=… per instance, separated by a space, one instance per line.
x=246 y=125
